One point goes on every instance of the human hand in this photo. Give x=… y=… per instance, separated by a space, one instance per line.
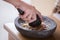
x=30 y=13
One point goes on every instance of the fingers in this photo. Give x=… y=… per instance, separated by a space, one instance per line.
x=27 y=13
x=30 y=15
x=33 y=18
x=39 y=14
x=30 y=18
x=27 y=17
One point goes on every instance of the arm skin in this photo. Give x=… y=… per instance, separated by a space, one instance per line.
x=29 y=10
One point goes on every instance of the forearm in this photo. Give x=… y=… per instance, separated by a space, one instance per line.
x=18 y=3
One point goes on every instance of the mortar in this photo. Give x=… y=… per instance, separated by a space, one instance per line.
x=34 y=33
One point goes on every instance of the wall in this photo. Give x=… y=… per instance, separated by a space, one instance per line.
x=44 y=6
x=7 y=14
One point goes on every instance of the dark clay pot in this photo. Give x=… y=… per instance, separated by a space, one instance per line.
x=35 y=33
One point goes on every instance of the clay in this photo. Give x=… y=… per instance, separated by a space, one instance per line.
x=36 y=33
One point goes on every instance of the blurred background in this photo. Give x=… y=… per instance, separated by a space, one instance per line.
x=8 y=12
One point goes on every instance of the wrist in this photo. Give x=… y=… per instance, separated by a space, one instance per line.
x=22 y=5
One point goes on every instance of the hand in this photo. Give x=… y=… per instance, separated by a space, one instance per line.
x=30 y=13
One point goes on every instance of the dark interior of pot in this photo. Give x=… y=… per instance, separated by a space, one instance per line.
x=26 y=30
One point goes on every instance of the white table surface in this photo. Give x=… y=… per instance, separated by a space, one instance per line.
x=10 y=27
